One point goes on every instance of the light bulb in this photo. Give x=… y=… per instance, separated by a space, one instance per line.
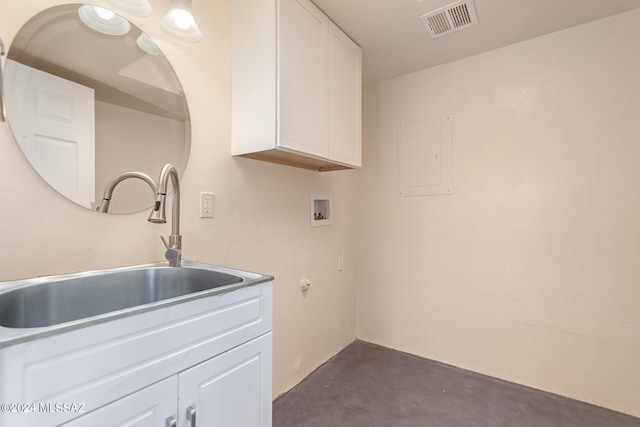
x=103 y=20
x=180 y=22
x=103 y=13
x=182 y=19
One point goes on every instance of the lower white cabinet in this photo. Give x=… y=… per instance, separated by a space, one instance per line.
x=210 y=354
x=233 y=389
x=229 y=390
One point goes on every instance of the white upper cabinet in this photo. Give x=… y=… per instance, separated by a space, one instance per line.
x=345 y=95
x=296 y=86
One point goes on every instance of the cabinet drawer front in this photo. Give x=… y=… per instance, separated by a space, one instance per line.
x=146 y=408
x=102 y=363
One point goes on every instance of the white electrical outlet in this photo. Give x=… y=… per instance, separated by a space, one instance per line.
x=206 y=204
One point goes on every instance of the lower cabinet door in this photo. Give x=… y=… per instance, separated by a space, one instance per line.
x=153 y=406
x=230 y=390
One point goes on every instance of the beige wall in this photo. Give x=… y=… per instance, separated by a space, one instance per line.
x=262 y=210
x=529 y=271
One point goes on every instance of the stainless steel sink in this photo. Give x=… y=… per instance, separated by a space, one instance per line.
x=54 y=300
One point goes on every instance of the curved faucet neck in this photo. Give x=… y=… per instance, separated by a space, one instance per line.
x=111 y=185
x=170 y=171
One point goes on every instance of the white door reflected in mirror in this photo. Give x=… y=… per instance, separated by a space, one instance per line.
x=54 y=123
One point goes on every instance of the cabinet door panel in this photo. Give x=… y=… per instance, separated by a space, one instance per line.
x=149 y=407
x=345 y=98
x=303 y=98
x=233 y=389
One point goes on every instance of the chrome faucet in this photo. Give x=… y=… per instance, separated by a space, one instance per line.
x=158 y=216
x=111 y=185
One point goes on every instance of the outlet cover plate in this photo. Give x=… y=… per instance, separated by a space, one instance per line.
x=207 y=204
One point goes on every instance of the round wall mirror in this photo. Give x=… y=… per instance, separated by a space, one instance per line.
x=89 y=96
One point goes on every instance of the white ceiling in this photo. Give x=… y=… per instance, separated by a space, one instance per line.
x=395 y=42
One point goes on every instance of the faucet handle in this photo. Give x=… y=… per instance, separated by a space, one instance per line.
x=166 y=244
x=173 y=252
x=175 y=242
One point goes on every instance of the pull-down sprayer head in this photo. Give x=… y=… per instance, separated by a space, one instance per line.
x=158 y=214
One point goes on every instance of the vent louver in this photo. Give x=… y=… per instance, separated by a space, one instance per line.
x=454 y=17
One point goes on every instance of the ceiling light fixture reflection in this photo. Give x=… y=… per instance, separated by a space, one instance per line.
x=134 y=7
x=145 y=43
x=103 y=20
x=105 y=14
x=180 y=23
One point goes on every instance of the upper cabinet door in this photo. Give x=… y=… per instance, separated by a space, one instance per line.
x=345 y=98
x=303 y=82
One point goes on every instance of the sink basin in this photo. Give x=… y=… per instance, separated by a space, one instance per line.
x=55 y=300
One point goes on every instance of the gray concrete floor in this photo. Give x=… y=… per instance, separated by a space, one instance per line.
x=368 y=385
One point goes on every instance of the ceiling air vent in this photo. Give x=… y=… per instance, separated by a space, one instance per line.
x=454 y=17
